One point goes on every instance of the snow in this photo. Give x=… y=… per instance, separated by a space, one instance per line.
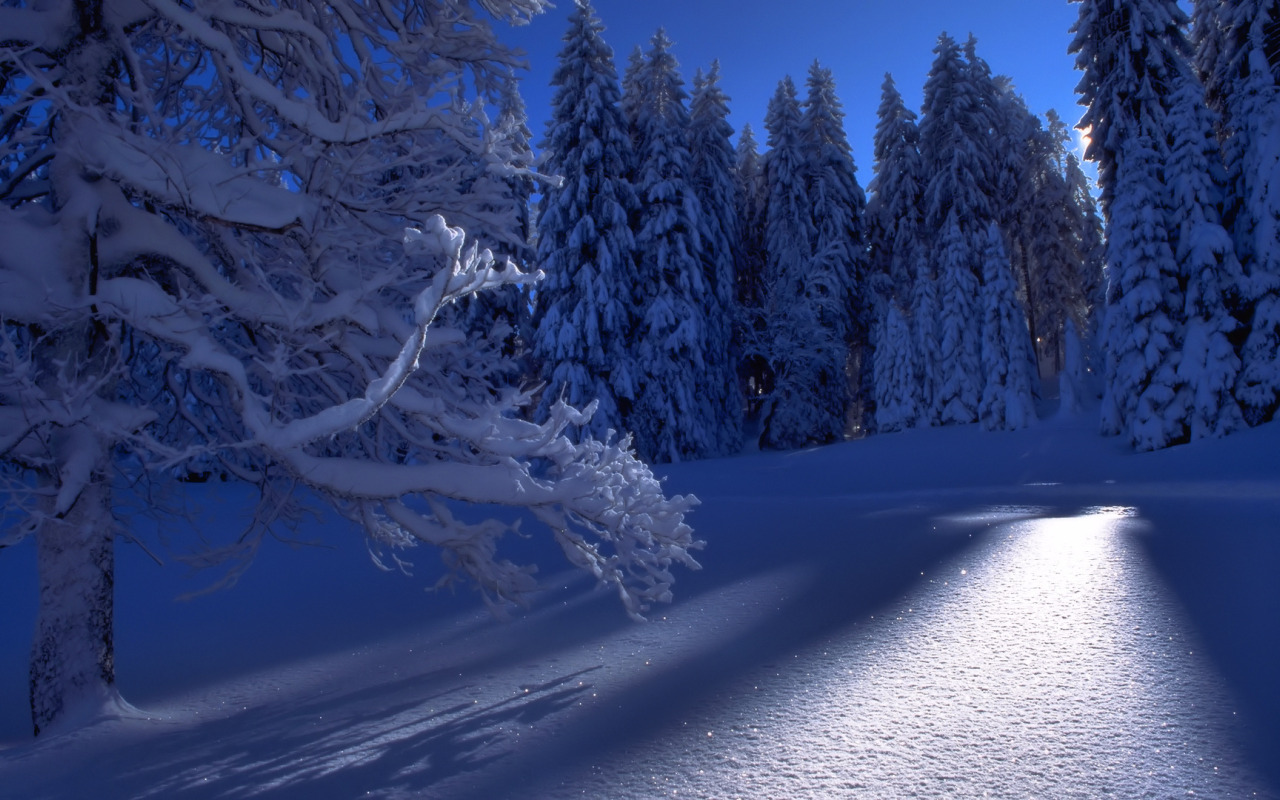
x=943 y=612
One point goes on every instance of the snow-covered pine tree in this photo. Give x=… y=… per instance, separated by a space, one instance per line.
x=214 y=272
x=954 y=134
x=633 y=96
x=585 y=309
x=1145 y=110
x=994 y=129
x=504 y=189
x=750 y=329
x=1086 y=234
x=839 y=269
x=713 y=179
x=894 y=219
x=809 y=399
x=1055 y=291
x=674 y=418
x=1007 y=363
x=954 y=131
x=1074 y=387
x=959 y=387
x=897 y=382
x=924 y=332
x=1143 y=398
x=1020 y=166
x=1207 y=262
x=1238 y=53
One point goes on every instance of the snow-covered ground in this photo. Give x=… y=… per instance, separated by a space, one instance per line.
x=942 y=613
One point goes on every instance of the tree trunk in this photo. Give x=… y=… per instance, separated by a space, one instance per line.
x=73 y=655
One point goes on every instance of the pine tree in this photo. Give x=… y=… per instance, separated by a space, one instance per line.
x=750 y=330
x=502 y=314
x=1129 y=52
x=1007 y=364
x=959 y=386
x=954 y=130
x=839 y=269
x=894 y=218
x=584 y=313
x=1238 y=54
x=1087 y=237
x=1073 y=382
x=1055 y=291
x=1170 y=257
x=897 y=381
x=674 y=415
x=924 y=332
x=220 y=266
x=1143 y=399
x=809 y=400
x=1207 y=263
x=633 y=98
x=714 y=183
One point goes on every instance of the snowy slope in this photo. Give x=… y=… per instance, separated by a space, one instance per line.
x=947 y=612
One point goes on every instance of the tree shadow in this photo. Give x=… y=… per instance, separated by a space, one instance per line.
x=1222 y=562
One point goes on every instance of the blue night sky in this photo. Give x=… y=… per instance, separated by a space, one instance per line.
x=759 y=42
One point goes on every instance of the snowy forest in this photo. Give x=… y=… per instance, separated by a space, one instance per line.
x=701 y=289
x=315 y=248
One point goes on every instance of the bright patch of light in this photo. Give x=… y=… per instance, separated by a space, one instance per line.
x=1082 y=141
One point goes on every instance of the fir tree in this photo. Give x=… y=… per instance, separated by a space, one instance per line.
x=897 y=381
x=954 y=130
x=1073 y=382
x=1168 y=369
x=1143 y=397
x=1054 y=291
x=584 y=312
x=924 y=331
x=838 y=273
x=1007 y=364
x=893 y=212
x=674 y=415
x=809 y=399
x=1238 y=53
x=714 y=183
x=502 y=314
x=750 y=330
x=959 y=385
x=1207 y=263
x=1087 y=237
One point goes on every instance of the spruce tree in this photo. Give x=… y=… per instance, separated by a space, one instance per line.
x=1074 y=386
x=1143 y=398
x=809 y=399
x=954 y=130
x=1238 y=53
x=674 y=414
x=502 y=315
x=1054 y=292
x=924 y=333
x=839 y=269
x=894 y=219
x=750 y=331
x=1207 y=262
x=1087 y=238
x=1007 y=363
x=959 y=386
x=584 y=314
x=897 y=380
x=713 y=179
x=1169 y=254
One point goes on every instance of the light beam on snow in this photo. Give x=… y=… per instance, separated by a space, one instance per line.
x=1047 y=661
